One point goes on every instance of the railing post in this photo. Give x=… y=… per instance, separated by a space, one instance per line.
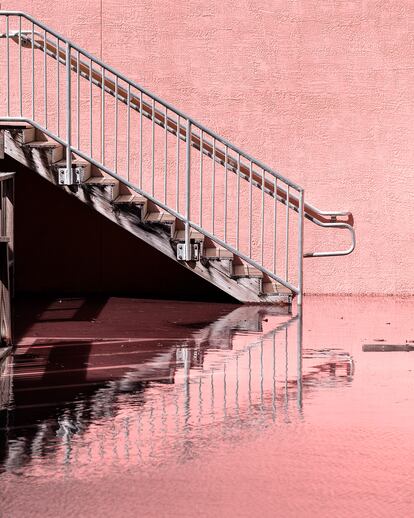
x=301 y=217
x=188 y=192
x=8 y=64
x=68 y=111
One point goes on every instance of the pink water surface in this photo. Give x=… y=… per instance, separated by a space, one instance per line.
x=184 y=409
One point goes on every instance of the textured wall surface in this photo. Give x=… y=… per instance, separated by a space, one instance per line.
x=322 y=91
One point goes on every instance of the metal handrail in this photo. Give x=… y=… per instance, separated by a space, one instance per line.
x=182 y=114
x=186 y=129
x=160 y=119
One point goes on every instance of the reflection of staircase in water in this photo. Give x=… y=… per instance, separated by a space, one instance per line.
x=241 y=372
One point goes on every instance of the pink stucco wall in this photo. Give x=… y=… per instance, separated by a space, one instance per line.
x=323 y=91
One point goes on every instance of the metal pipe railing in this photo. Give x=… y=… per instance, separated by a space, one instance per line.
x=159 y=119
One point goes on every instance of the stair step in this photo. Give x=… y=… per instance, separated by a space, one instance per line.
x=56 y=150
x=160 y=217
x=126 y=199
x=43 y=144
x=108 y=186
x=244 y=270
x=179 y=235
x=27 y=132
x=16 y=125
x=217 y=253
x=12 y=124
x=101 y=180
x=272 y=287
x=75 y=161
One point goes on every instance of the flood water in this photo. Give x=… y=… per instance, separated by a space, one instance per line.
x=121 y=407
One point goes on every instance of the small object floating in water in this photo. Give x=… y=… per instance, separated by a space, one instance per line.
x=385 y=348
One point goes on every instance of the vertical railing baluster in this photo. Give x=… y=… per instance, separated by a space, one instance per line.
x=301 y=216
x=33 y=74
x=262 y=219
x=287 y=235
x=250 y=207
x=128 y=128
x=275 y=225
x=140 y=138
x=8 y=65
x=116 y=126
x=238 y=203
x=225 y=191
x=213 y=187
x=45 y=76
x=20 y=68
x=188 y=191
x=58 y=85
x=103 y=116
x=177 y=178
x=201 y=178
x=90 y=110
x=153 y=148
x=68 y=109
x=165 y=152
x=78 y=100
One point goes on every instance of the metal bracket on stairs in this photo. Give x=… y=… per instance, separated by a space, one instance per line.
x=70 y=177
x=195 y=252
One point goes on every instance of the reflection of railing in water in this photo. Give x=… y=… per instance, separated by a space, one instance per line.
x=213 y=394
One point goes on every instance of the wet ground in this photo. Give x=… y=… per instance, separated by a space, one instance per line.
x=120 y=407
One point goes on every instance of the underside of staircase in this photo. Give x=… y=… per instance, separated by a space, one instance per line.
x=139 y=216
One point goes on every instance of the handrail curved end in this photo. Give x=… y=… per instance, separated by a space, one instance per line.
x=336 y=253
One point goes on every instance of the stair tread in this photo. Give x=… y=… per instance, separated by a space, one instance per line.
x=244 y=270
x=130 y=198
x=12 y=124
x=43 y=143
x=180 y=235
x=217 y=253
x=101 y=180
x=75 y=161
x=275 y=288
x=160 y=217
